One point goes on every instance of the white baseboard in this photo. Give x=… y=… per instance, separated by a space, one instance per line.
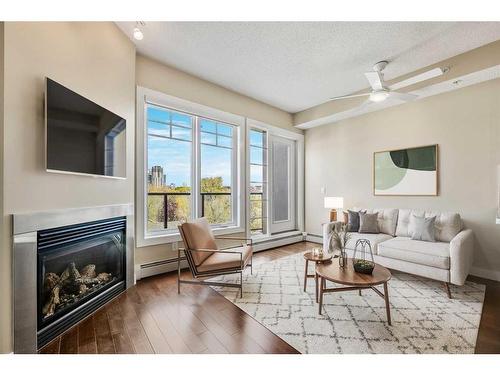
x=314 y=238
x=169 y=265
x=265 y=245
x=486 y=274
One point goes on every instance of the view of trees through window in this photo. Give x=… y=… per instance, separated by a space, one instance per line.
x=216 y=166
x=169 y=171
x=258 y=165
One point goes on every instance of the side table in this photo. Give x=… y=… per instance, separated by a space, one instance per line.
x=310 y=257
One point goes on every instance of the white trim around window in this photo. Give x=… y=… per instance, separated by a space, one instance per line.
x=150 y=97
x=299 y=175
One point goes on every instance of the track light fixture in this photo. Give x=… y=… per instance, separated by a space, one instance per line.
x=137 y=33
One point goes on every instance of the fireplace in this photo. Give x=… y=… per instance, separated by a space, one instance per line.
x=79 y=267
x=67 y=264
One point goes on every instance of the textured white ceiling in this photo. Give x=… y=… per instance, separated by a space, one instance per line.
x=297 y=65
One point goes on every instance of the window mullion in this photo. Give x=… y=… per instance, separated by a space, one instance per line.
x=196 y=169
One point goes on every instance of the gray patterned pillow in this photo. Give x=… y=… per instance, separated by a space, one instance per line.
x=368 y=223
x=422 y=228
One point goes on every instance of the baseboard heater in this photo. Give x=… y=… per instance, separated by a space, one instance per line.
x=158 y=267
x=314 y=238
x=169 y=265
x=277 y=242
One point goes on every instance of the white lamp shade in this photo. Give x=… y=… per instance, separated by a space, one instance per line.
x=334 y=202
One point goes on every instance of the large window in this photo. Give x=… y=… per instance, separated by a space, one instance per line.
x=191 y=170
x=194 y=161
x=169 y=147
x=216 y=150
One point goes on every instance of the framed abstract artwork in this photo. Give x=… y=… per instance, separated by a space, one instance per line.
x=409 y=171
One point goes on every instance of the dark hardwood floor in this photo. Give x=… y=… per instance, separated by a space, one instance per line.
x=152 y=318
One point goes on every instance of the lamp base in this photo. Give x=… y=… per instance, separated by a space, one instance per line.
x=333 y=215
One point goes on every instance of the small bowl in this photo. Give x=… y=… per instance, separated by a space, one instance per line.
x=363 y=266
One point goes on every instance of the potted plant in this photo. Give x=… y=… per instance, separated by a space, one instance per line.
x=338 y=241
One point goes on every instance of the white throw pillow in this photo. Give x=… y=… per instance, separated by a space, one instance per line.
x=422 y=228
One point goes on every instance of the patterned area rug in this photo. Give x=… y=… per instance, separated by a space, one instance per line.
x=424 y=320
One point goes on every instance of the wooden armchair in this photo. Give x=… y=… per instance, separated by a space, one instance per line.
x=205 y=259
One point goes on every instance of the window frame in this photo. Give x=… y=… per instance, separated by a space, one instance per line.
x=171 y=137
x=234 y=172
x=265 y=180
x=299 y=178
x=147 y=96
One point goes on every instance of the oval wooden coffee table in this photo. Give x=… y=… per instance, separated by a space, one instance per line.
x=354 y=281
x=310 y=257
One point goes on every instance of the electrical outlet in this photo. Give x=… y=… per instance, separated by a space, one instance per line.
x=175 y=246
x=323 y=190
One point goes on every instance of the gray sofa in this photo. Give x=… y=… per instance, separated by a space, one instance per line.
x=448 y=259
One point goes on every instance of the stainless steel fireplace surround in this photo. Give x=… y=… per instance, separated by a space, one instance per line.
x=25 y=229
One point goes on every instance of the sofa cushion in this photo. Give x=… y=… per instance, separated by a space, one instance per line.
x=402 y=228
x=352 y=221
x=368 y=223
x=375 y=239
x=227 y=260
x=422 y=228
x=433 y=254
x=345 y=216
x=199 y=235
x=447 y=224
x=387 y=219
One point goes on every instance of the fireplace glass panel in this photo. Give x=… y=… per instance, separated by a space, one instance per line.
x=74 y=271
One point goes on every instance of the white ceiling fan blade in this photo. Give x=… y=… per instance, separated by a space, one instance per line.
x=375 y=79
x=402 y=96
x=436 y=72
x=365 y=104
x=349 y=96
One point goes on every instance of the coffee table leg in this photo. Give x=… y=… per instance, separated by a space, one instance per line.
x=316 y=281
x=387 y=307
x=320 y=294
x=305 y=276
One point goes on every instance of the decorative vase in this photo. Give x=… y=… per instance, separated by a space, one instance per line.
x=342 y=258
x=362 y=260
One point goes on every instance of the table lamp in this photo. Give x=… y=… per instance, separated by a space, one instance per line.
x=334 y=203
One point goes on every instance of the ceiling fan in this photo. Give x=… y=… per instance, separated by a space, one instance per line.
x=380 y=91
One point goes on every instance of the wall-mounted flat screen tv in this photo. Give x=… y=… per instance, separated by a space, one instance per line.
x=82 y=137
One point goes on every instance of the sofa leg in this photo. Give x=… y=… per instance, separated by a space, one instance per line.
x=447 y=288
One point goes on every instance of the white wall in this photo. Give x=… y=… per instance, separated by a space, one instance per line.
x=5 y=276
x=466 y=125
x=94 y=59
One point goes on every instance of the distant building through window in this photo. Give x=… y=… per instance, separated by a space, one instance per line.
x=172 y=157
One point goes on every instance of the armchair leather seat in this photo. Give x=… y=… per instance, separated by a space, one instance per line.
x=228 y=260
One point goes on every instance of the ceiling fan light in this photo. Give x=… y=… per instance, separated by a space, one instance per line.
x=138 y=35
x=378 y=96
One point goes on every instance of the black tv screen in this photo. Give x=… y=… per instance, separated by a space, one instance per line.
x=82 y=136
